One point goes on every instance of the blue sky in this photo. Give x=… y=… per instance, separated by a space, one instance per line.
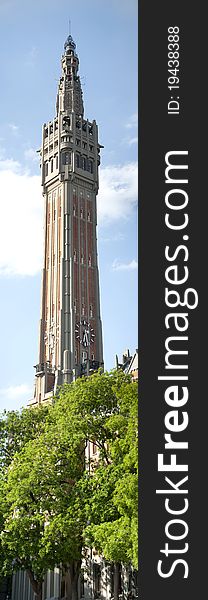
x=32 y=35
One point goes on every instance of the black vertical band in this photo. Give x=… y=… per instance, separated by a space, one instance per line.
x=161 y=133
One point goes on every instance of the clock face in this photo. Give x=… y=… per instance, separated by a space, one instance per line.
x=84 y=333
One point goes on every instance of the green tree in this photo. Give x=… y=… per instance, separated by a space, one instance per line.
x=107 y=405
x=53 y=499
x=16 y=429
x=42 y=506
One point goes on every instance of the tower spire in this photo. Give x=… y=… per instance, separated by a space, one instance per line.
x=69 y=98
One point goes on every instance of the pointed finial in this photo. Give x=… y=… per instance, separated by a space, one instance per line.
x=70 y=42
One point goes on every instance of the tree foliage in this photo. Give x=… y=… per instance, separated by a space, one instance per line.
x=16 y=429
x=113 y=506
x=54 y=500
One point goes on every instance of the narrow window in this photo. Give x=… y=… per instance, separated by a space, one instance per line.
x=90 y=166
x=63 y=588
x=51 y=584
x=96 y=580
x=94 y=448
x=82 y=590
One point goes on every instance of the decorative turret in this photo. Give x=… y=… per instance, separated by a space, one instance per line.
x=69 y=98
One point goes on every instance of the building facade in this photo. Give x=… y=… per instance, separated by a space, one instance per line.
x=70 y=337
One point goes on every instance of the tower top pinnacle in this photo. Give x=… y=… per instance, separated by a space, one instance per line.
x=69 y=98
x=69 y=43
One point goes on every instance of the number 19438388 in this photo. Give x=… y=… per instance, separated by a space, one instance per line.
x=173 y=58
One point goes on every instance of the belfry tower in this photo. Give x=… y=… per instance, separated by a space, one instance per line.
x=70 y=339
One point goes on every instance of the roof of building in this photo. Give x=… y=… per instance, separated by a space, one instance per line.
x=129 y=363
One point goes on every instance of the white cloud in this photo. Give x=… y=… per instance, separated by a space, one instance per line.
x=21 y=223
x=9 y=164
x=131 y=266
x=2 y=149
x=14 y=128
x=133 y=140
x=15 y=396
x=13 y=392
x=31 y=155
x=118 y=192
x=117 y=237
x=132 y=121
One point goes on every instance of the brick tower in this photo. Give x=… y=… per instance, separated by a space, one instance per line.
x=70 y=339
